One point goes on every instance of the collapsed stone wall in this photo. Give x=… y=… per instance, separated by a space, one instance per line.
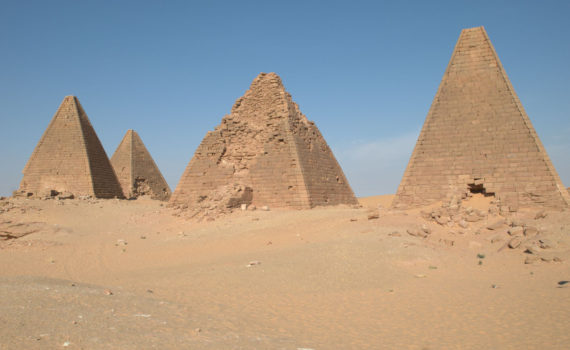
x=478 y=138
x=268 y=146
x=69 y=158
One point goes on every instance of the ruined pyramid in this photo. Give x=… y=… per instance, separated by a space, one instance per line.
x=477 y=138
x=70 y=159
x=136 y=170
x=265 y=153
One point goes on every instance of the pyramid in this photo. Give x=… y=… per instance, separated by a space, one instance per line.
x=477 y=138
x=265 y=153
x=70 y=158
x=136 y=170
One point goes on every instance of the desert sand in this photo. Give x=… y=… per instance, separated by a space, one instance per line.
x=118 y=274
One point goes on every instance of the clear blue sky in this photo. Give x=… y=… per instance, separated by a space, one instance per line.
x=364 y=71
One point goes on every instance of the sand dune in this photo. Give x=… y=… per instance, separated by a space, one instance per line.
x=115 y=274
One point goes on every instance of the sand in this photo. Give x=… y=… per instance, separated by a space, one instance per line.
x=117 y=274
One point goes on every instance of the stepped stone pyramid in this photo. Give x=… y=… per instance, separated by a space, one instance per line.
x=136 y=170
x=477 y=138
x=265 y=152
x=70 y=159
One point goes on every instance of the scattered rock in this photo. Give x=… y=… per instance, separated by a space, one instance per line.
x=416 y=232
x=497 y=238
x=253 y=263
x=530 y=231
x=373 y=215
x=463 y=223
x=496 y=225
x=353 y=219
x=540 y=215
x=531 y=259
x=472 y=218
x=515 y=242
x=243 y=206
x=546 y=243
x=264 y=208
x=426 y=229
x=516 y=231
x=442 y=220
x=108 y=292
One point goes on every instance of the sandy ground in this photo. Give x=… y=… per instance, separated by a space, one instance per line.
x=110 y=274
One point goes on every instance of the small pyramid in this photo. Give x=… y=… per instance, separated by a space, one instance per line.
x=136 y=170
x=477 y=138
x=265 y=153
x=70 y=159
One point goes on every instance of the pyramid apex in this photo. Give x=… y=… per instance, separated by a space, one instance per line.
x=267 y=77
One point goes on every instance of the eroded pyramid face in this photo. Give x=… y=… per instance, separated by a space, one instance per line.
x=70 y=159
x=265 y=152
x=477 y=138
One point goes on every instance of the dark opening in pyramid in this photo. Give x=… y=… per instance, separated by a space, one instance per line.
x=477 y=138
x=70 y=159
x=136 y=170
x=265 y=152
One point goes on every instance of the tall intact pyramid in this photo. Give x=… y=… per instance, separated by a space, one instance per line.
x=477 y=138
x=265 y=152
x=70 y=158
x=136 y=170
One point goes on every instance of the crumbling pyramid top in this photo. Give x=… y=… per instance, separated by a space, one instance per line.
x=265 y=152
x=477 y=138
x=69 y=158
x=136 y=170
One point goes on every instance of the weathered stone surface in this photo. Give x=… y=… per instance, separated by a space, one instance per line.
x=530 y=231
x=515 y=242
x=477 y=138
x=496 y=225
x=268 y=145
x=416 y=232
x=473 y=218
x=69 y=158
x=516 y=231
x=137 y=172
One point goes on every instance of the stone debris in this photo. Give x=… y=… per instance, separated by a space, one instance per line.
x=540 y=215
x=515 y=242
x=253 y=263
x=496 y=225
x=373 y=215
x=417 y=232
x=546 y=243
x=516 y=231
x=530 y=231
